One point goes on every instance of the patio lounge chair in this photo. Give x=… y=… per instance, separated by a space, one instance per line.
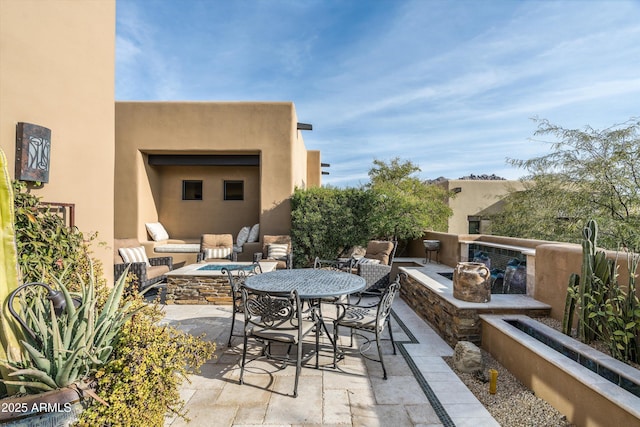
x=149 y=271
x=375 y=265
x=368 y=318
x=277 y=318
x=347 y=264
x=276 y=248
x=217 y=247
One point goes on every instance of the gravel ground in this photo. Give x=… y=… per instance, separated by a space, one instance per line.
x=513 y=405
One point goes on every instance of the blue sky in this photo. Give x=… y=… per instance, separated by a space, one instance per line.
x=450 y=85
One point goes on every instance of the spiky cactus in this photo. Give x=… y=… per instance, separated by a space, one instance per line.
x=9 y=272
x=588 y=292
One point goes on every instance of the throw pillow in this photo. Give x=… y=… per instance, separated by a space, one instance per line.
x=254 y=233
x=130 y=255
x=243 y=235
x=157 y=231
x=278 y=251
x=364 y=260
x=217 y=253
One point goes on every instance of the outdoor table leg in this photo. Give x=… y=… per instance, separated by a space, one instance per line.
x=317 y=303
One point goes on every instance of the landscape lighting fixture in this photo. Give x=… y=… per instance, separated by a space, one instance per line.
x=56 y=297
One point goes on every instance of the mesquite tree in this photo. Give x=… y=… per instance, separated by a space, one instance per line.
x=588 y=174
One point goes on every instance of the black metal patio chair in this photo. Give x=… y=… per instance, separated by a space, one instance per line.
x=237 y=275
x=277 y=318
x=371 y=318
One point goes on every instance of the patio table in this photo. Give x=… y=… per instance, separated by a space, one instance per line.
x=312 y=285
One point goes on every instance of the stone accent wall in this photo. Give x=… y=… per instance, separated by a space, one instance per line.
x=198 y=290
x=451 y=323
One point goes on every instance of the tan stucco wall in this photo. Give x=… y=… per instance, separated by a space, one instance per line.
x=57 y=71
x=475 y=197
x=185 y=219
x=300 y=158
x=268 y=129
x=583 y=402
x=314 y=170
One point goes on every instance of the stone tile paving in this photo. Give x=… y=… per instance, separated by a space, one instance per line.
x=354 y=394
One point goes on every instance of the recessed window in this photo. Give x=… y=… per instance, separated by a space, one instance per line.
x=191 y=190
x=234 y=190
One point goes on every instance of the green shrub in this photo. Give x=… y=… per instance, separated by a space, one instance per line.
x=140 y=383
x=46 y=246
x=70 y=346
x=325 y=221
x=140 y=378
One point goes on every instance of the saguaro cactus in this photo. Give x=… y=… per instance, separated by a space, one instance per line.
x=9 y=271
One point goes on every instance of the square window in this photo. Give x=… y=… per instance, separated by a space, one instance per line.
x=234 y=190
x=191 y=190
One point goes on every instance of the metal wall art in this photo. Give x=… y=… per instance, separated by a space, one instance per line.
x=33 y=151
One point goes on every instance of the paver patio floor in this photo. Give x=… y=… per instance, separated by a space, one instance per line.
x=421 y=390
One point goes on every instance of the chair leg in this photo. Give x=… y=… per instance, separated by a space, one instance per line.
x=393 y=343
x=298 y=369
x=335 y=345
x=384 y=370
x=233 y=322
x=318 y=346
x=244 y=359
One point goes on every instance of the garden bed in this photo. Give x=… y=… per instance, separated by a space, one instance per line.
x=582 y=395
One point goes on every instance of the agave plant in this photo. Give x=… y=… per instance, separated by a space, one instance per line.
x=67 y=347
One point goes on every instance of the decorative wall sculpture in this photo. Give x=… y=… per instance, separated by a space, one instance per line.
x=33 y=151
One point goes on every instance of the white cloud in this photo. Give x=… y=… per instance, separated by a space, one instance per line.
x=450 y=85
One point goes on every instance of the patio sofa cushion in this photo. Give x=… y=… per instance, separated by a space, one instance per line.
x=217 y=252
x=147 y=271
x=212 y=241
x=243 y=237
x=157 y=231
x=380 y=250
x=278 y=251
x=177 y=248
x=365 y=260
x=254 y=233
x=123 y=243
x=157 y=271
x=248 y=251
x=137 y=254
x=278 y=239
x=216 y=247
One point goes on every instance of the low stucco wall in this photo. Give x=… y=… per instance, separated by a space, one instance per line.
x=554 y=263
x=449 y=253
x=586 y=399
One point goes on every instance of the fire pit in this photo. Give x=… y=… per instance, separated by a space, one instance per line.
x=429 y=247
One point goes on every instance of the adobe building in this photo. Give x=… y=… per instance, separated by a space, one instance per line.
x=57 y=71
x=475 y=200
x=209 y=167
x=120 y=165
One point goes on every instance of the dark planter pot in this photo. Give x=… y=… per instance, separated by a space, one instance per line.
x=57 y=408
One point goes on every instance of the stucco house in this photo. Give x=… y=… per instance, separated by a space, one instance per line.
x=123 y=164
x=209 y=167
x=474 y=201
